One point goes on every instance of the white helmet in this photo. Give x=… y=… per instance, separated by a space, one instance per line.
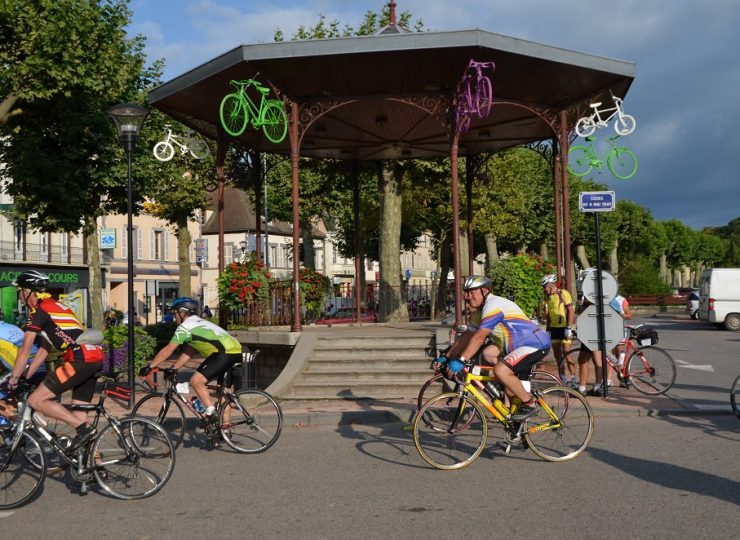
x=473 y=282
x=549 y=278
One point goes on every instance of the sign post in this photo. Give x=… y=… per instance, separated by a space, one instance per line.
x=597 y=202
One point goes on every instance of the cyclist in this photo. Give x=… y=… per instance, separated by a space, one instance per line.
x=220 y=350
x=560 y=316
x=11 y=338
x=59 y=328
x=522 y=342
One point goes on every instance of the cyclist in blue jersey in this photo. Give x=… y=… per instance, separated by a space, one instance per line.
x=11 y=339
x=521 y=341
x=199 y=337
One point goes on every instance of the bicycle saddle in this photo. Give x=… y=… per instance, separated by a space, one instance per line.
x=594 y=105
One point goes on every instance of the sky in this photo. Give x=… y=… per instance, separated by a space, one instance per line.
x=685 y=96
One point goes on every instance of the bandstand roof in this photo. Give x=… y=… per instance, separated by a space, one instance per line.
x=385 y=96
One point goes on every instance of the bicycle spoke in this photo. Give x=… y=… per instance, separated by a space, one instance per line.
x=651 y=370
x=20 y=480
x=250 y=421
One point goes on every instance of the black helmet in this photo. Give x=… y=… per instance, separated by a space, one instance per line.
x=36 y=281
x=184 y=303
x=473 y=282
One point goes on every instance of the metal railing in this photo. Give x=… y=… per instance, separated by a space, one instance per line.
x=9 y=251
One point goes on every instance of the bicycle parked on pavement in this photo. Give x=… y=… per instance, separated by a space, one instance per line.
x=237 y=109
x=249 y=421
x=624 y=125
x=620 y=160
x=165 y=150
x=451 y=429
x=130 y=458
x=650 y=369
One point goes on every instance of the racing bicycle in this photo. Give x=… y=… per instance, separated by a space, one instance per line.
x=451 y=429
x=650 y=369
x=475 y=95
x=130 y=458
x=249 y=421
x=734 y=398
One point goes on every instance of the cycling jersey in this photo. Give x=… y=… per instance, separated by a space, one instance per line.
x=11 y=339
x=557 y=312
x=59 y=326
x=620 y=304
x=510 y=328
x=205 y=337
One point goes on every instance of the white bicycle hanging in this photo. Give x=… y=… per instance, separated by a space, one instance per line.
x=624 y=124
x=165 y=150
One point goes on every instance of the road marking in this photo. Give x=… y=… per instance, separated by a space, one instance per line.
x=6 y=513
x=698 y=367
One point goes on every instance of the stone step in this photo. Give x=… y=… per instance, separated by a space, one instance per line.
x=360 y=375
x=379 y=364
x=349 y=352
x=374 y=343
x=408 y=389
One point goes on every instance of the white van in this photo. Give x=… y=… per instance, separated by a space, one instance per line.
x=719 y=297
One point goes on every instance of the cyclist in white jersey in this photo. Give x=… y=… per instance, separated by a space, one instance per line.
x=220 y=350
x=522 y=342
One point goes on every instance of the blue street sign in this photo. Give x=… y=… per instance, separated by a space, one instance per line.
x=597 y=201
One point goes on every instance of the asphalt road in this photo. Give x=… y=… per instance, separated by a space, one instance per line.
x=642 y=477
x=707 y=358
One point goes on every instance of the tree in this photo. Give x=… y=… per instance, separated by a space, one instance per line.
x=64 y=64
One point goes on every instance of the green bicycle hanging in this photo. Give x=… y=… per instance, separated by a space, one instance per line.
x=620 y=160
x=238 y=108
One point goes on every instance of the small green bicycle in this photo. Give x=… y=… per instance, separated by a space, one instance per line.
x=237 y=108
x=620 y=160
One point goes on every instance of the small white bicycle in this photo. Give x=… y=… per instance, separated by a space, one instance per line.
x=165 y=150
x=624 y=125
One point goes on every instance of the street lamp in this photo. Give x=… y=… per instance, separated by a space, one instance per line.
x=129 y=119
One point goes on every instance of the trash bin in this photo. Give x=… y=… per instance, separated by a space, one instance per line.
x=244 y=374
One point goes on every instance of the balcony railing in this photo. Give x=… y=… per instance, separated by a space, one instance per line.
x=9 y=251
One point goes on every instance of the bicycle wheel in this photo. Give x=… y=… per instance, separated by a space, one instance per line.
x=274 y=121
x=164 y=151
x=198 y=148
x=484 y=97
x=579 y=162
x=652 y=371
x=133 y=462
x=168 y=413
x=734 y=398
x=544 y=379
x=436 y=385
x=625 y=124
x=20 y=480
x=251 y=421
x=622 y=163
x=585 y=126
x=234 y=115
x=442 y=445
x=64 y=434
x=565 y=433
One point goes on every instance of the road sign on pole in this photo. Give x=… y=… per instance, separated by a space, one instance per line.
x=587 y=327
x=597 y=201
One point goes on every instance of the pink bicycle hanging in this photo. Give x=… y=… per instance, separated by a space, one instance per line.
x=475 y=94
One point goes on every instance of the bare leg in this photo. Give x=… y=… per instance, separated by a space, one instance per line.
x=198 y=382
x=512 y=383
x=44 y=401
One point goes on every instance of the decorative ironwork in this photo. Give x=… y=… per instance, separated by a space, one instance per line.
x=543 y=148
x=308 y=113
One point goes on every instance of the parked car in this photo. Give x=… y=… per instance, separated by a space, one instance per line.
x=692 y=303
x=345 y=316
x=719 y=297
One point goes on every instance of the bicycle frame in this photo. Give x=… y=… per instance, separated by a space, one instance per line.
x=255 y=112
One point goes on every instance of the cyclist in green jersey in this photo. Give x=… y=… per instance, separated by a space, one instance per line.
x=199 y=337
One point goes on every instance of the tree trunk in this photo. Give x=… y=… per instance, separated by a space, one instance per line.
x=613 y=262
x=544 y=253
x=686 y=276
x=664 y=269
x=491 y=250
x=392 y=307
x=464 y=250
x=582 y=257
x=445 y=259
x=309 y=254
x=95 y=287
x=183 y=256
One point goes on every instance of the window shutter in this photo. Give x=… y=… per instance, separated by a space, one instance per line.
x=152 y=245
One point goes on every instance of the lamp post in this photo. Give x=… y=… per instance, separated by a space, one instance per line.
x=129 y=119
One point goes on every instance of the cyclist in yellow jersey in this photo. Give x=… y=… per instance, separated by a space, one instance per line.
x=220 y=350
x=560 y=317
x=521 y=341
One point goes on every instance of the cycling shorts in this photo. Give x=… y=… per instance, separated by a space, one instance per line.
x=75 y=376
x=216 y=365
x=558 y=334
x=522 y=359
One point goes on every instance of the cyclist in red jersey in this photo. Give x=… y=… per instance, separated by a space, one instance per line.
x=60 y=328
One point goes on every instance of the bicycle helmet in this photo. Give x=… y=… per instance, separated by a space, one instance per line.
x=476 y=282
x=32 y=279
x=549 y=278
x=184 y=303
